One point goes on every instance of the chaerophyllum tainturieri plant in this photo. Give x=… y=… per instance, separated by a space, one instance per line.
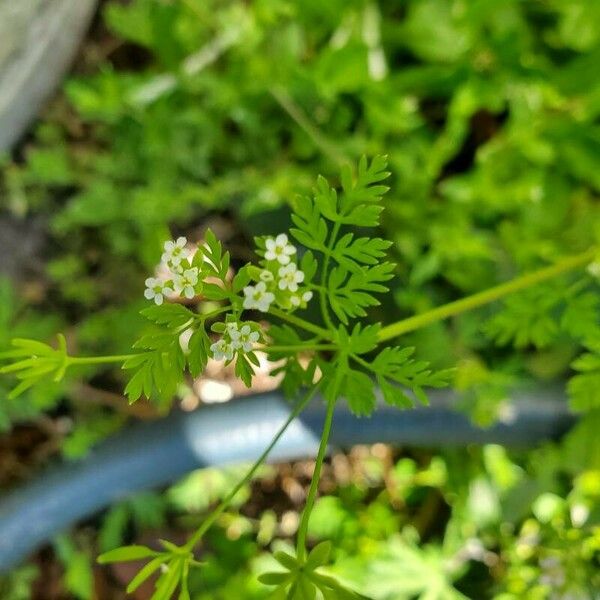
x=259 y=309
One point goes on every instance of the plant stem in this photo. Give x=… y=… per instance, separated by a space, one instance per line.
x=322 y=333
x=323 y=291
x=314 y=484
x=476 y=300
x=218 y=511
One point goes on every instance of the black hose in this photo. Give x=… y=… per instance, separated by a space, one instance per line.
x=154 y=454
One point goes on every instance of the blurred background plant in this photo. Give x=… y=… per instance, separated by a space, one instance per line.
x=187 y=113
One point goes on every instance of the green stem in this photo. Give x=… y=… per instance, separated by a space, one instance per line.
x=362 y=362
x=218 y=511
x=323 y=293
x=487 y=296
x=98 y=360
x=294 y=320
x=314 y=484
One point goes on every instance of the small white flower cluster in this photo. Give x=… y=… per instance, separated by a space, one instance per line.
x=181 y=278
x=279 y=280
x=237 y=337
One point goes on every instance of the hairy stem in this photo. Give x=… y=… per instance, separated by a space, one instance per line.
x=218 y=511
x=476 y=300
x=314 y=484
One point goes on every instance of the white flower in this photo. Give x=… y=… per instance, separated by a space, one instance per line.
x=185 y=282
x=245 y=338
x=156 y=289
x=221 y=350
x=279 y=249
x=298 y=300
x=175 y=251
x=290 y=277
x=258 y=297
x=266 y=276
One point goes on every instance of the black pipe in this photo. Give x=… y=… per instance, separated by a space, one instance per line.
x=154 y=454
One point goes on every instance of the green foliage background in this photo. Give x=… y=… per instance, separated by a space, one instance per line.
x=222 y=111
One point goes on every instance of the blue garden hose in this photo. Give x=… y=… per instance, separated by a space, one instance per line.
x=154 y=454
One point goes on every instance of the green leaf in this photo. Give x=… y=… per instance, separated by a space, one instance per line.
x=359 y=391
x=393 y=395
x=274 y=578
x=144 y=573
x=243 y=368
x=584 y=391
x=527 y=318
x=167 y=583
x=199 y=346
x=216 y=262
x=352 y=253
x=171 y=315
x=35 y=361
x=398 y=365
x=580 y=316
x=584 y=388
x=361 y=340
x=158 y=370
x=318 y=556
x=307 y=590
x=242 y=279
x=287 y=560
x=311 y=230
x=363 y=190
x=308 y=265
x=126 y=553
x=350 y=293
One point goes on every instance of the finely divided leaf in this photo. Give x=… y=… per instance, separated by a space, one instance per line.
x=350 y=293
x=311 y=229
x=397 y=365
x=359 y=390
x=171 y=315
x=353 y=253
